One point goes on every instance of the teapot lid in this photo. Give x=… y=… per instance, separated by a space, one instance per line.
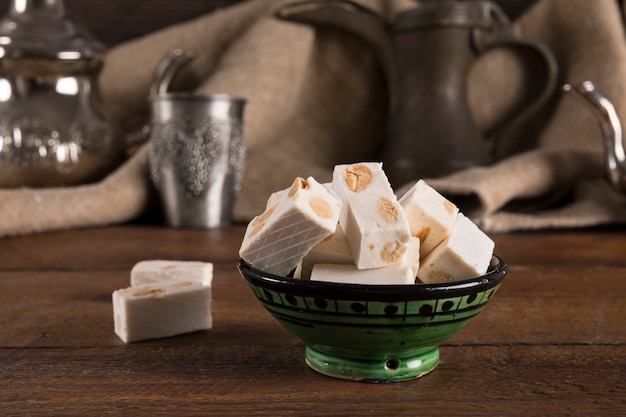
x=37 y=38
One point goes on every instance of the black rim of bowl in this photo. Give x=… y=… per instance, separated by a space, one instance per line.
x=493 y=277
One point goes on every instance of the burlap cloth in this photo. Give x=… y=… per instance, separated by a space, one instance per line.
x=317 y=97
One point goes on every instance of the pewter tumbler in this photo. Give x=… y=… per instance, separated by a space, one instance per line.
x=197 y=157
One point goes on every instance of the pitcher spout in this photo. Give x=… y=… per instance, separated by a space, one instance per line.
x=611 y=126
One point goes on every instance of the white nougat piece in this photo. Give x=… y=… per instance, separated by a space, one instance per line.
x=413 y=257
x=465 y=253
x=274 y=197
x=374 y=223
x=161 y=310
x=431 y=216
x=350 y=274
x=165 y=271
x=277 y=240
x=332 y=250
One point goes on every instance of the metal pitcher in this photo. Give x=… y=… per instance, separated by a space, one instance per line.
x=427 y=52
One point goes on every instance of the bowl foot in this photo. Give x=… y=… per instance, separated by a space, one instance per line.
x=373 y=370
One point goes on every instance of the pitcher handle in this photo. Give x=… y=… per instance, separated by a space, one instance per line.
x=502 y=35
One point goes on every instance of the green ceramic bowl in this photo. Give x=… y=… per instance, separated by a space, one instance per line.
x=373 y=333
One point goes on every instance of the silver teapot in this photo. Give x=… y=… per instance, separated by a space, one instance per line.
x=52 y=129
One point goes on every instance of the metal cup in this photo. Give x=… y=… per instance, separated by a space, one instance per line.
x=197 y=157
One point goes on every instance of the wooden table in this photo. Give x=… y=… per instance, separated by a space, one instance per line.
x=552 y=341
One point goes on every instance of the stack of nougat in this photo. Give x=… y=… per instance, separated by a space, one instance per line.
x=355 y=230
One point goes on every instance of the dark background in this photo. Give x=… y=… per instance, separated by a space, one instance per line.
x=115 y=21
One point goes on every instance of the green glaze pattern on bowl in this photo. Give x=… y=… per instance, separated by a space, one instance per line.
x=373 y=333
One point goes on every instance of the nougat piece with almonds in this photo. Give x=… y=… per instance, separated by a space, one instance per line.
x=294 y=222
x=431 y=216
x=160 y=271
x=465 y=253
x=375 y=225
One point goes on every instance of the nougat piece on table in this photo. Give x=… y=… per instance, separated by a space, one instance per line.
x=161 y=310
x=375 y=225
x=167 y=271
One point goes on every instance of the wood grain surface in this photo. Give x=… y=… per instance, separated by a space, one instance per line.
x=550 y=343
